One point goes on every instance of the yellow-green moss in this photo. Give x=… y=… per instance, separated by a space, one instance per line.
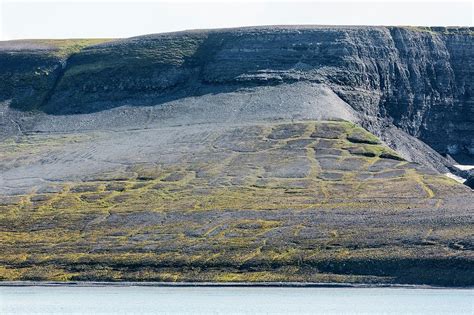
x=66 y=47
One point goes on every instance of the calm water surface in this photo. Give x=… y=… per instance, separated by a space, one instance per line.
x=228 y=300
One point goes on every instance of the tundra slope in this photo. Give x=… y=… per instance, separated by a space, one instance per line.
x=302 y=201
x=207 y=156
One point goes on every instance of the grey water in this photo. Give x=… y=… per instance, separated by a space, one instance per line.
x=232 y=300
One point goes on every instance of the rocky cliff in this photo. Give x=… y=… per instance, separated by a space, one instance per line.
x=417 y=79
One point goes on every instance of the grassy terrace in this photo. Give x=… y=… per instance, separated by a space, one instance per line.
x=65 y=47
x=312 y=201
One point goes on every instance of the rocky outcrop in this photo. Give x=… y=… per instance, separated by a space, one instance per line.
x=418 y=80
x=27 y=75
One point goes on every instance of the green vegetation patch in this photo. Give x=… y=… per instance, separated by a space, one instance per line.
x=64 y=48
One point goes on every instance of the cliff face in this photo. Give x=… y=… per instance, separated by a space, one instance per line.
x=27 y=77
x=431 y=96
x=420 y=80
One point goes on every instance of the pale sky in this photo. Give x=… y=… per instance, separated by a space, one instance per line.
x=112 y=18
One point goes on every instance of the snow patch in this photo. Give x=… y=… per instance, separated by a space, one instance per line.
x=464 y=167
x=455 y=177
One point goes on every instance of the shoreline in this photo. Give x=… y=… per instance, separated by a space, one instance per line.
x=223 y=284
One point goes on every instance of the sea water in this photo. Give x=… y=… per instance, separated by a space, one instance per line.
x=232 y=300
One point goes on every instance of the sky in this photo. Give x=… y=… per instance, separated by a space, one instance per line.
x=125 y=18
